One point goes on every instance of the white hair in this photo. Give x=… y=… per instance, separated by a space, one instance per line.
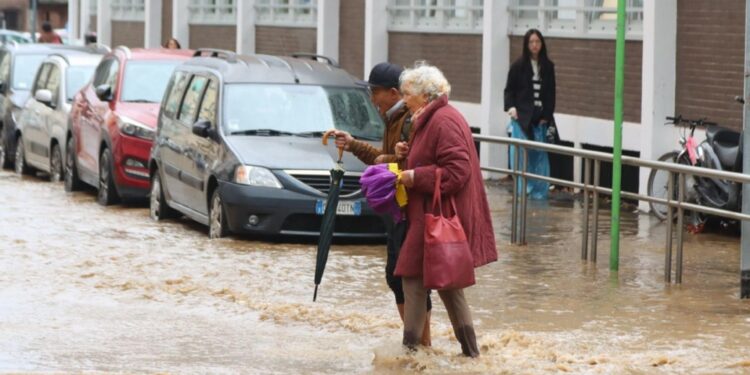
x=425 y=79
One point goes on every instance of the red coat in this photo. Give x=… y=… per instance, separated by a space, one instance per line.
x=442 y=138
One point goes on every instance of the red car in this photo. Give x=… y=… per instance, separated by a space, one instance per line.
x=113 y=120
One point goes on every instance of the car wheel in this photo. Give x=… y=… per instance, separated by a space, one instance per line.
x=217 y=225
x=158 y=207
x=72 y=183
x=107 y=194
x=56 y=164
x=21 y=167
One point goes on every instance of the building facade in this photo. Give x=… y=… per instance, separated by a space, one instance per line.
x=16 y=14
x=682 y=56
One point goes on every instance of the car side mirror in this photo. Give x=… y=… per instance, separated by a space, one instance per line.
x=44 y=96
x=104 y=92
x=202 y=128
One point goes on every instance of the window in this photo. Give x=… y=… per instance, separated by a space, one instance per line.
x=53 y=83
x=176 y=91
x=213 y=12
x=4 y=67
x=112 y=73
x=41 y=78
x=102 y=72
x=24 y=70
x=190 y=104
x=440 y=16
x=575 y=18
x=75 y=78
x=128 y=10
x=294 y=13
x=149 y=80
x=208 y=106
x=300 y=109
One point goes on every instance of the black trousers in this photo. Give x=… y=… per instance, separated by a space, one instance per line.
x=396 y=236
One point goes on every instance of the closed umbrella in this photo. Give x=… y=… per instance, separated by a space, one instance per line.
x=329 y=218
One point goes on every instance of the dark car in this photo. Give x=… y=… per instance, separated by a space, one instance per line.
x=238 y=146
x=18 y=67
x=112 y=122
x=43 y=123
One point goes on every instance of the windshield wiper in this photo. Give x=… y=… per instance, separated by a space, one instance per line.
x=320 y=133
x=139 y=101
x=262 y=132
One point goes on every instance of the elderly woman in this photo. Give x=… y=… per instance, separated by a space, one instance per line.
x=441 y=138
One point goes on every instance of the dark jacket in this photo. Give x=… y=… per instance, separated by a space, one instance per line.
x=392 y=135
x=442 y=139
x=519 y=92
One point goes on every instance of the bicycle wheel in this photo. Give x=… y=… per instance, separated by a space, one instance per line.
x=658 y=186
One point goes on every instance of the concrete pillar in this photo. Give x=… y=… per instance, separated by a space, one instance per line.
x=495 y=65
x=152 y=24
x=246 y=27
x=658 y=83
x=376 y=34
x=74 y=25
x=180 y=22
x=328 y=28
x=104 y=22
x=85 y=17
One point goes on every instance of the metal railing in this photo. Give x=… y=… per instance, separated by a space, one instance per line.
x=520 y=201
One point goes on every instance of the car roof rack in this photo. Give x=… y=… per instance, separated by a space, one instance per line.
x=98 y=47
x=60 y=55
x=313 y=56
x=218 y=53
x=125 y=50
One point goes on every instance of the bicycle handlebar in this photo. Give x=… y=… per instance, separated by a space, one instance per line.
x=679 y=120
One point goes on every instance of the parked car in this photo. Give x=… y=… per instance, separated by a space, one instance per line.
x=238 y=146
x=113 y=119
x=10 y=36
x=43 y=123
x=18 y=67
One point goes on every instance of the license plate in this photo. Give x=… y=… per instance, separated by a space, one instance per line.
x=347 y=208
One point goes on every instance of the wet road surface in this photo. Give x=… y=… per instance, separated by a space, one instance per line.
x=88 y=288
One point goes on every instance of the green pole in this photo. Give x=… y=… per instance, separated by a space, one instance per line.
x=614 y=254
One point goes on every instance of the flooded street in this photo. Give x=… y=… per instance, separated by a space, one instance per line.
x=88 y=288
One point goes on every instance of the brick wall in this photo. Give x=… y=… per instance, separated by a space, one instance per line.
x=710 y=59
x=284 y=41
x=210 y=36
x=127 y=33
x=458 y=56
x=585 y=73
x=352 y=36
x=166 y=22
x=19 y=7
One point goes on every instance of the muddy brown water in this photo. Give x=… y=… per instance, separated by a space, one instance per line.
x=87 y=288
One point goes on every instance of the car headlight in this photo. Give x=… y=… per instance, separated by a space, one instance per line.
x=256 y=176
x=134 y=128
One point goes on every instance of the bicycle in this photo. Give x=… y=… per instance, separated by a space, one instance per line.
x=689 y=154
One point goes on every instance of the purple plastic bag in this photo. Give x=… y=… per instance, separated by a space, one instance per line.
x=379 y=187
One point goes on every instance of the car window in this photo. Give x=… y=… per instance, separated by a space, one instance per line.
x=4 y=67
x=75 y=78
x=24 y=70
x=53 y=83
x=102 y=72
x=176 y=91
x=146 y=81
x=41 y=78
x=114 y=68
x=208 y=105
x=192 y=99
x=299 y=109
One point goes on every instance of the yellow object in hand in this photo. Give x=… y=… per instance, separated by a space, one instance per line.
x=401 y=196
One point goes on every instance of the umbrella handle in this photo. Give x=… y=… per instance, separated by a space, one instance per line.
x=341 y=153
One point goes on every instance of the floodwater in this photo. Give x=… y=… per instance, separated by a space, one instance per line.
x=90 y=289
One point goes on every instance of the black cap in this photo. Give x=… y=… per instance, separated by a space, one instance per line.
x=385 y=75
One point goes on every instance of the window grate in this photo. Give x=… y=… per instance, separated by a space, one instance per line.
x=289 y=13
x=439 y=16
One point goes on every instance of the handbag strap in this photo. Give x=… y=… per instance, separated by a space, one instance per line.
x=437 y=194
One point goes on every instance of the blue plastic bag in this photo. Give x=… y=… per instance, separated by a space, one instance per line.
x=538 y=160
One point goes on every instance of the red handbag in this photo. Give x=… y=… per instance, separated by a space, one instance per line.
x=448 y=263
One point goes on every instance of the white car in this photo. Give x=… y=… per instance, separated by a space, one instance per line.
x=43 y=123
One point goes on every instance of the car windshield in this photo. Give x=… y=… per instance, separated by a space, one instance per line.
x=75 y=78
x=24 y=70
x=145 y=81
x=300 y=110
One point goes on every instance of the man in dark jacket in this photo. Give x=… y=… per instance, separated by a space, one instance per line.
x=384 y=86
